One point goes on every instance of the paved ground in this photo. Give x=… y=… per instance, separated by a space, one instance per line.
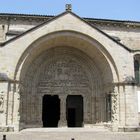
x=69 y=134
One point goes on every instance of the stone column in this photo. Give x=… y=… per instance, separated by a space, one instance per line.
x=108 y=107
x=4 y=101
x=39 y=110
x=114 y=109
x=16 y=107
x=93 y=102
x=87 y=110
x=122 y=111
x=62 y=121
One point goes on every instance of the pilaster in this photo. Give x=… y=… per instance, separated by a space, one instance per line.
x=131 y=103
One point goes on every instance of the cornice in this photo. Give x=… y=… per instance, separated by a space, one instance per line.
x=108 y=22
x=95 y=21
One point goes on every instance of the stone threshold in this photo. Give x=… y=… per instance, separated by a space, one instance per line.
x=129 y=129
x=72 y=129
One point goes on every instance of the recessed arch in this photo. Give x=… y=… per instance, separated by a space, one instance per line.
x=68 y=36
x=88 y=57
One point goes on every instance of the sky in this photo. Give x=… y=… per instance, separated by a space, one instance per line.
x=102 y=9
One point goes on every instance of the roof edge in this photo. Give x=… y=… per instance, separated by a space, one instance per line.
x=20 y=35
x=51 y=16
x=51 y=19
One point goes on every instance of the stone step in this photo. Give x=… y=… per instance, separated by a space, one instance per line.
x=70 y=130
x=75 y=134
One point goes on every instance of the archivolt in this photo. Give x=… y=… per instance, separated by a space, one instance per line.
x=73 y=39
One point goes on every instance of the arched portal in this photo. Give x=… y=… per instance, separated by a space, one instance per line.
x=65 y=70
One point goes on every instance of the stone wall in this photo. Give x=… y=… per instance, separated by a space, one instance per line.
x=112 y=67
x=3 y=30
x=129 y=36
x=125 y=33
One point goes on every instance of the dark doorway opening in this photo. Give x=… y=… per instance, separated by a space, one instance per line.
x=74 y=111
x=51 y=111
x=71 y=117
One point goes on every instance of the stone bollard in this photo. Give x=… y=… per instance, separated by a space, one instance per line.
x=4 y=137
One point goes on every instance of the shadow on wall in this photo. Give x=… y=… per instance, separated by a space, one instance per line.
x=130 y=80
x=4 y=77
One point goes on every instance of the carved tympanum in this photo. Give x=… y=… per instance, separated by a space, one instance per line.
x=63 y=74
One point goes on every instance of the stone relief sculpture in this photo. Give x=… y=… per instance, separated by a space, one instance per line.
x=1 y=103
x=62 y=75
x=114 y=97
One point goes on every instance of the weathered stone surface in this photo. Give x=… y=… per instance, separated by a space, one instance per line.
x=68 y=134
x=67 y=56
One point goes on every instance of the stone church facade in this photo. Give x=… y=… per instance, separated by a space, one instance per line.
x=68 y=71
